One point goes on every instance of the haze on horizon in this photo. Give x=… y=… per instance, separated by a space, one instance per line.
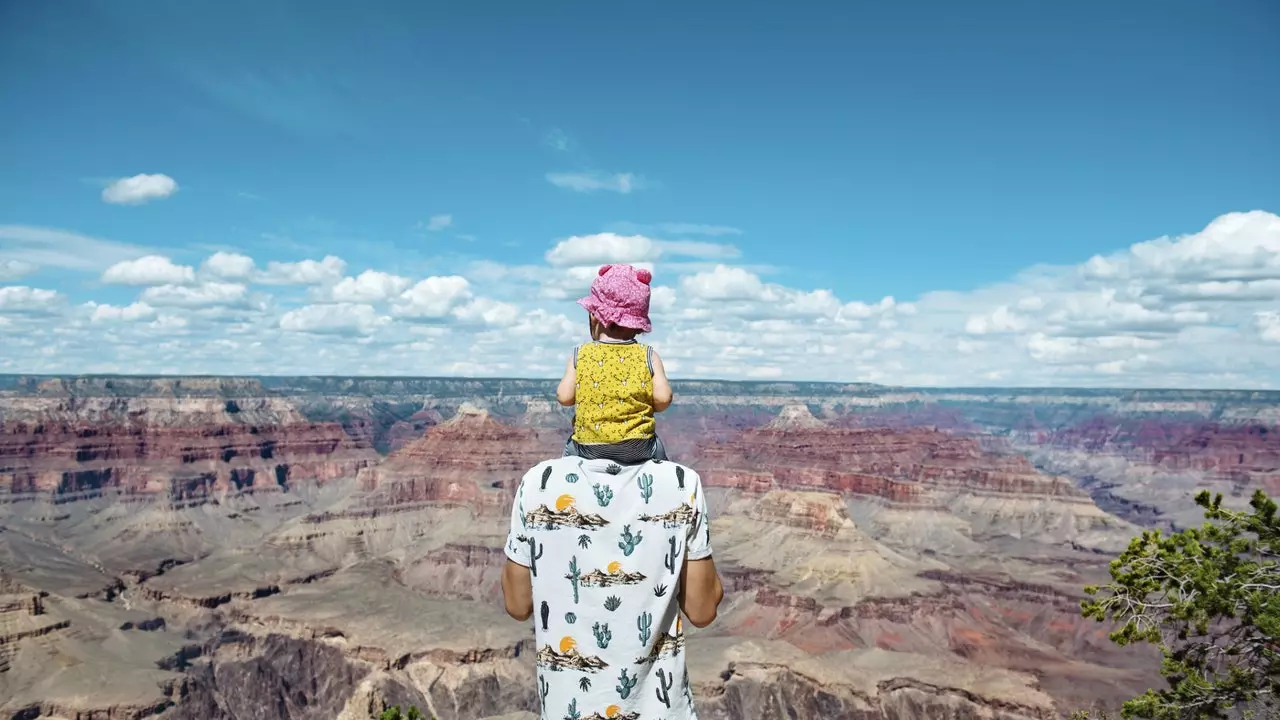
x=916 y=195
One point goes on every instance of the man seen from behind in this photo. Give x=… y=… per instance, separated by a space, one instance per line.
x=607 y=558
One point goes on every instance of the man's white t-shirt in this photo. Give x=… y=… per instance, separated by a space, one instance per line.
x=605 y=544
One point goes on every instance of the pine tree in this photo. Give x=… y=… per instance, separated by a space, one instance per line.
x=1209 y=598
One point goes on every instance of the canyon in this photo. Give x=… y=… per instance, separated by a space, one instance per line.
x=299 y=547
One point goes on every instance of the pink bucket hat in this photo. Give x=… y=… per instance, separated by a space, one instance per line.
x=620 y=296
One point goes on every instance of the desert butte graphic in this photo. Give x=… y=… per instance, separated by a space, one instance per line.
x=610 y=576
x=682 y=515
x=613 y=712
x=566 y=514
x=568 y=657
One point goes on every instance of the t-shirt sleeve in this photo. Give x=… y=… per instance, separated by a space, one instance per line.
x=517 y=547
x=699 y=538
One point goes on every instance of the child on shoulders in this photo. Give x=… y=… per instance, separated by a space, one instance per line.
x=616 y=383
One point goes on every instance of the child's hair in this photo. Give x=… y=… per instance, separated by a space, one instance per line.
x=617 y=332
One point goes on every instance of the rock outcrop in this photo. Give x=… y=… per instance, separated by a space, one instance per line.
x=471 y=460
x=795 y=417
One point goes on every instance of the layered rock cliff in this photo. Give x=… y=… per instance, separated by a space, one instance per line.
x=181 y=449
x=895 y=473
x=461 y=461
x=1247 y=454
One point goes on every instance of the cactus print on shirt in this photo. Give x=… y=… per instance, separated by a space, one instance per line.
x=605 y=544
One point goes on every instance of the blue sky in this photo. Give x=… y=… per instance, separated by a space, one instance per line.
x=907 y=150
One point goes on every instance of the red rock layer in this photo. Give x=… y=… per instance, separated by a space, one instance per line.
x=180 y=461
x=1243 y=452
x=471 y=460
x=897 y=465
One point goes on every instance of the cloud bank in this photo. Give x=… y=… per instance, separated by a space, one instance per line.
x=1200 y=310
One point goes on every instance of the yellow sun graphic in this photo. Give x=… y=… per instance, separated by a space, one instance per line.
x=564 y=502
x=679 y=624
x=567 y=643
x=693 y=497
x=614 y=567
x=612 y=711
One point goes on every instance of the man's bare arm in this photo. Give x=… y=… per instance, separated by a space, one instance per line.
x=517 y=590
x=567 y=391
x=700 y=591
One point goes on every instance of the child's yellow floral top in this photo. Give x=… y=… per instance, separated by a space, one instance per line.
x=614 y=393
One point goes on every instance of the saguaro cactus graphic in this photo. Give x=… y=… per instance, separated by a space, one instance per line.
x=574 y=576
x=663 y=691
x=646 y=487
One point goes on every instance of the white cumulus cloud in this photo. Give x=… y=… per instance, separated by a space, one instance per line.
x=432 y=298
x=139 y=189
x=306 y=272
x=149 y=270
x=724 y=283
x=210 y=294
x=601 y=248
x=333 y=319
x=489 y=312
x=1000 y=320
x=368 y=286
x=129 y=313
x=20 y=299
x=229 y=266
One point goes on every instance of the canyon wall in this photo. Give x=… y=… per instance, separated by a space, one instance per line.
x=325 y=547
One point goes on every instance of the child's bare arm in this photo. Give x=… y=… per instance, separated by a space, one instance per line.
x=661 y=386
x=567 y=392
